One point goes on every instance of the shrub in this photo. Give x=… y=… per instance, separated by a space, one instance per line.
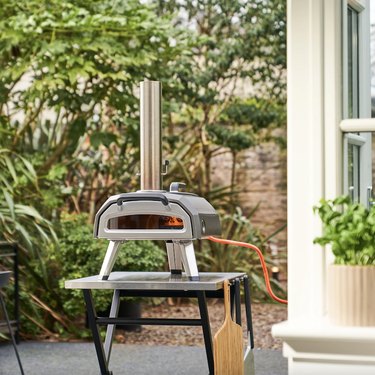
x=79 y=254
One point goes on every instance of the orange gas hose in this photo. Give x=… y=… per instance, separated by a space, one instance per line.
x=262 y=261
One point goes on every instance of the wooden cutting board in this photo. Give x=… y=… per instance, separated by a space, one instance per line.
x=228 y=345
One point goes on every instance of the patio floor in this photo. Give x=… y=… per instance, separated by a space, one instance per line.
x=79 y=359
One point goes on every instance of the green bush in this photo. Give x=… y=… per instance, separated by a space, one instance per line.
x=350 y=229
x=48 y=310
x=79 y=255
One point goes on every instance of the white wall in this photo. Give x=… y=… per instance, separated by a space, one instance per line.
x=315 y=96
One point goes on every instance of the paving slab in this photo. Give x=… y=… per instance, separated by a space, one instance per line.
x=40 y=358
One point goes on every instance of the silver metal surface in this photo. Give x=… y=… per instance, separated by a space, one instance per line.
x=153 y=280
x=150 y=147
x=146 y=208
x=109 y=259
x=188 y=259
x=175 y=187
x=174 y=256
x=200 y=218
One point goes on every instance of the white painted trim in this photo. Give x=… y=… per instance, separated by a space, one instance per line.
x=333 y=104
x=364 y=92
x=323 y=330
x=344 y=57
x=365 y=98
x=357 y=5
x=305 y=157
x=358 y=125
x=321 y=348
x=364 y=61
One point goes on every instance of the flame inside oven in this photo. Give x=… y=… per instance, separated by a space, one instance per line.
x=146 y=222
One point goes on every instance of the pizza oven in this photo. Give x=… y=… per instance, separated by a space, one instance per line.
x=175 y=216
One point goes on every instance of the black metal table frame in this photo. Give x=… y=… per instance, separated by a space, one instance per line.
x=13 y=247
x=103 y=352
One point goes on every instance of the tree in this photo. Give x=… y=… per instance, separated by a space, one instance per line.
x=69 y=121
x=231 y=92
x=69 y=116
x=69 y=72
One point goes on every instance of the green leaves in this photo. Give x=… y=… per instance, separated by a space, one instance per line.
x=69 y=117
x=19 y=220
x=102 y=138
x=236 y=140
x=349 y=228
x=78 y=254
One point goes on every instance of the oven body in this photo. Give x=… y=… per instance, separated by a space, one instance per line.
x=178 y=218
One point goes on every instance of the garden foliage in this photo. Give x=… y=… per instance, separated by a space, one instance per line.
x=69 y=124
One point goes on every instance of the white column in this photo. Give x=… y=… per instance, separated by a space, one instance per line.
x=305 y=156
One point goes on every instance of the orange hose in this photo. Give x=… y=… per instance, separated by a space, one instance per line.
x=262 y=261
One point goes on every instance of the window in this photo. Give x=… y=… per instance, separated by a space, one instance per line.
x=357 y=159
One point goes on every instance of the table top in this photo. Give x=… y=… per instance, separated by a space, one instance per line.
x=153 y=281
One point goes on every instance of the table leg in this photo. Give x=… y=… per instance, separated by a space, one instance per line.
x=16 y=294
x=238 y=300
x=111 y=327
x=232 y=292
x=249 y=319
x=206 y=330
x=2 y=303
x=91 y=315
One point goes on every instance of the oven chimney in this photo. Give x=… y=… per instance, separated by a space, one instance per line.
x=150 y=145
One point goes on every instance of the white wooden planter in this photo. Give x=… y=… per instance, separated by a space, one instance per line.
x=351 y=295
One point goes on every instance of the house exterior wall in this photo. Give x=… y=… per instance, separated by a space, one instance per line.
x=315 y=97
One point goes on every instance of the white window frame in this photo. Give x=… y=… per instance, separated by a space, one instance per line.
x=364 y=100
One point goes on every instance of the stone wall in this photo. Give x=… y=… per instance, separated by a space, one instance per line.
x=262 y=178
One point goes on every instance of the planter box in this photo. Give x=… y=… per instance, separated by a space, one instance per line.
x=131 y=310
x=351 y=295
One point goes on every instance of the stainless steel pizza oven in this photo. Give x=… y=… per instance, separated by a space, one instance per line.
x=175 y=216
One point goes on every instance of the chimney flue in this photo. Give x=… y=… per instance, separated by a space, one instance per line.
x=151 y=134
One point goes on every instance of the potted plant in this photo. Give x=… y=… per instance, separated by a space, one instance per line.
x=349 y=228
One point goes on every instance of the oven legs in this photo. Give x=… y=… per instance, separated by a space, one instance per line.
x=188 y=260
x=109 y=259
x=174 y=257
x=179 y=253
x=182 y=253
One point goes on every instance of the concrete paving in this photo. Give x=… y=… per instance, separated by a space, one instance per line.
x=80 y=359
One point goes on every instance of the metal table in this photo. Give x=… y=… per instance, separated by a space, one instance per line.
x=160 y=284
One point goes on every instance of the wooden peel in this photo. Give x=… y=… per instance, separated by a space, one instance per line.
x=228 y=346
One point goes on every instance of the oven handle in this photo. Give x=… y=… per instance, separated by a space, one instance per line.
x=134 y=197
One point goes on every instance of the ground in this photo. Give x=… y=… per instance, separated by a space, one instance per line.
x=151 y=350
x=79 y=359
x=264 y=316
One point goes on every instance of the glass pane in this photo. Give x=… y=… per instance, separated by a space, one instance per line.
x=146 y=222
x=353 y=71
x=350 y=166
x=353 y=172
